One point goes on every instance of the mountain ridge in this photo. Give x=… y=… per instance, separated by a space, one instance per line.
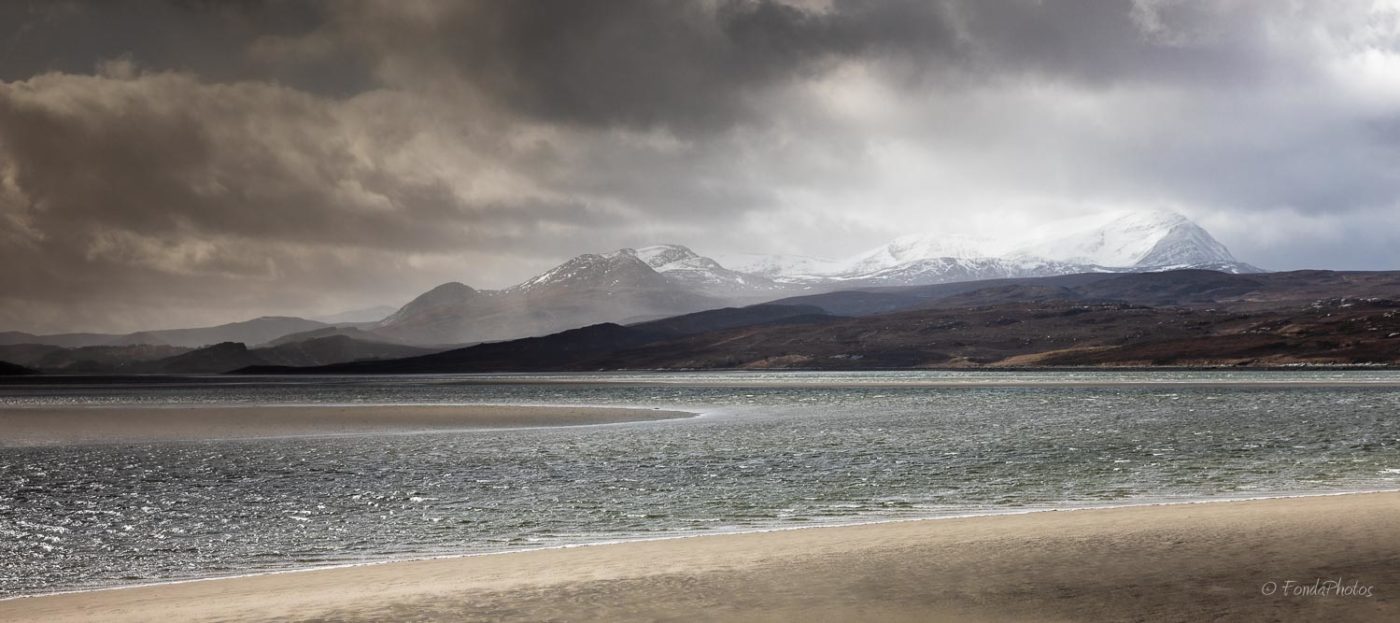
x=256 y=331
x=1172 y=318
x=1140 y=241
x=636 y=284
x=632 y=284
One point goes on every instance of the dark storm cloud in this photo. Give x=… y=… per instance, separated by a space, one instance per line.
x=699 y=65
x=209 y=38
x=677 y=64
x=143 y=187
x=155 y=156
x=1099 y=42
x=165 y=155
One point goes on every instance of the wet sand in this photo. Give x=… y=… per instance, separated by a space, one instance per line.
x=83 y=425
x=1185 y=562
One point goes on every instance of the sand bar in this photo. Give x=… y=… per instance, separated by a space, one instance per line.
x=1185 y=562
x=70 y=425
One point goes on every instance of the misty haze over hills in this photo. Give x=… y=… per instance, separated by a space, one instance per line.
x=630 y=285
x=1173 y=318
x=1102 y=288
x=633 y=285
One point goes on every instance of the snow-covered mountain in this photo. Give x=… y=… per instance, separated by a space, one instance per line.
x=588 y=289
x=782 y=268
x=1151 y=239
x=1131 y=242
x=650 y=282
x=684 y=267
x=620 y=269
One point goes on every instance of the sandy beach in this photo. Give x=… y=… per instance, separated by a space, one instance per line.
x=68 y=425
x=1261 y=560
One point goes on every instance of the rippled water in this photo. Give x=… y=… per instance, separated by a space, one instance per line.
x=771 y=450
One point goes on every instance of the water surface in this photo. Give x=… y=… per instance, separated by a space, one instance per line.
x=771 y=450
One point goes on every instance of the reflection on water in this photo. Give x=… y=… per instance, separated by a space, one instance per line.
x=773 y=450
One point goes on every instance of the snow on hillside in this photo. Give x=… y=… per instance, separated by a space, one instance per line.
x=685 y=267
x=908 y=249
x=1147 y=238
x=782 y=267
x=1151 y=240
x=617 y=269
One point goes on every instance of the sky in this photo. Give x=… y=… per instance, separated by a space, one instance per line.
x=192 y=162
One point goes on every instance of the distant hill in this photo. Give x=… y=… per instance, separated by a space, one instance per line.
x=87 y=359
x=334 y=349
x=565 y=350
x=1182 y=317
x=256 y=331
x=731 y=317
x=62 y=340
x=10 y=369
x=1038 y=328
x=366 y=315
x=630 y=285
x=230 y=356
x=208 y=360
x=633 y=285
x=353 y=332
x=217 y=358
x=1179 y=288
x=28 y=355
x=553 y=352
x=589 y=289
x=1054 y=333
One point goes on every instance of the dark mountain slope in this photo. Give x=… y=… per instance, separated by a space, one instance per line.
x=63 y=340
x=355 y=333
x=589 y=289
x=28 y=354
x=105 y=359
x=334 y=349
x=560 y=351
x=731 y=317
x=874 y=301
x=208 y=360
x=1053 y=333
x=1178 y=288
x=10 y=369
x=569 y=349
x=255 y=331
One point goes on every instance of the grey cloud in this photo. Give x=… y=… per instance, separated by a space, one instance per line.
x=1101 y=43
x=704 y=67
x=308 y=154
x=210 y=38
x=165 y=189
x=687 y=66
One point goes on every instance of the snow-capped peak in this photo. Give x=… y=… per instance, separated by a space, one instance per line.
x=780 y=266
x=616 y=269
x=664 y=257
x=906 y=249
x=681 y=265
x=1135 y=241
x=1143 y=238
